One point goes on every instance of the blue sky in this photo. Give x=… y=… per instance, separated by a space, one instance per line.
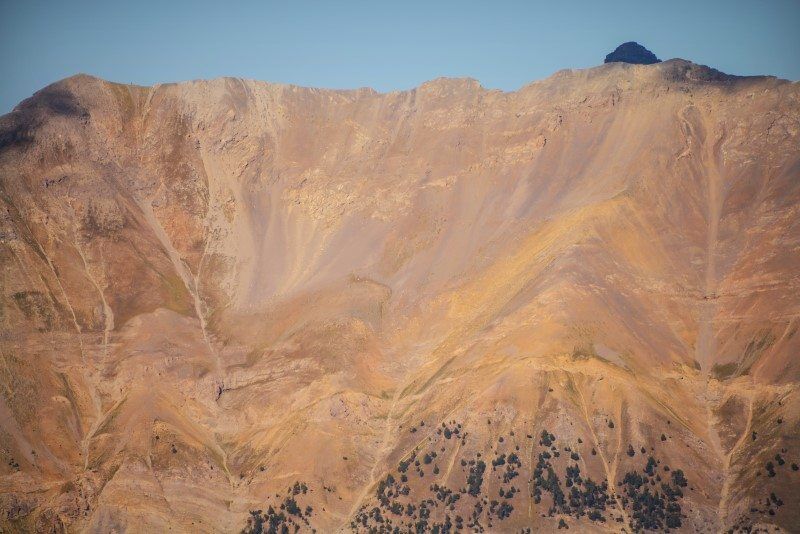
x=397 y=45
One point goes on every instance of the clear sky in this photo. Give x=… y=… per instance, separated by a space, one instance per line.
x=384 y=45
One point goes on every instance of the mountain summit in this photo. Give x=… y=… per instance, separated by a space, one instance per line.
x=231 y=304
x=632 y=52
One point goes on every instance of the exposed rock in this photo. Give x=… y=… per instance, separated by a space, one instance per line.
x=632 y=52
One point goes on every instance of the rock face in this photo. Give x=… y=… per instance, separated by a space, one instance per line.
x=632 y=52
x=230 y=304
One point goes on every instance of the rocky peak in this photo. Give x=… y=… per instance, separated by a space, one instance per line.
x=632 y=52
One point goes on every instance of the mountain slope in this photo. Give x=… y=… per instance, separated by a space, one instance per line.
x=215 y=289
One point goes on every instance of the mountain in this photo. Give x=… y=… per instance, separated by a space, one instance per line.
x=232 y=305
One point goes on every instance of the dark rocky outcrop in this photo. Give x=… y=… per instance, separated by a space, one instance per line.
x=632 y=52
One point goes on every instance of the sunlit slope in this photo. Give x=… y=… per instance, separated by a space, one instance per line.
x=215 y=289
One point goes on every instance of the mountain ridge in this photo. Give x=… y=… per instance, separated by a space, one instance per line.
x=704 y=71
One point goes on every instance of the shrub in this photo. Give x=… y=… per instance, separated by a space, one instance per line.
x=679 y=479
x=475 y=478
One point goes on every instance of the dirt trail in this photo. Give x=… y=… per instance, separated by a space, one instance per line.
x=452 y=462
x=610 y=472
x=531 y=441
x=725 y=493
x=380 y=456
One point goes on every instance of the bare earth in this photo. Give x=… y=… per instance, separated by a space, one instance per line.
x=220 y=296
